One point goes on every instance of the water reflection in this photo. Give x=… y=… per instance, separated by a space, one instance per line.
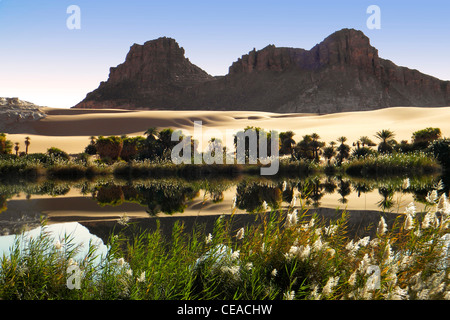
x=176 y=196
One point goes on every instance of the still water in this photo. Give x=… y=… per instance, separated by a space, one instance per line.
x=91 y=210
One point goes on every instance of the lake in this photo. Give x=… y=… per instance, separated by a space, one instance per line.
x=92 y=209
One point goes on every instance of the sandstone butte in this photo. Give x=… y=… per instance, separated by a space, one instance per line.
x=341 y=73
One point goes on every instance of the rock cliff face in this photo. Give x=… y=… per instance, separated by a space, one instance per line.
x=342 y=73
x=153 y=75
x=14 y=112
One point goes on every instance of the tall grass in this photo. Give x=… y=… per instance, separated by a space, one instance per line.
x=416 y=163
x=13 y=168
x=283 y=255
x=72 y=169
x=31 y=167
x=147 y=168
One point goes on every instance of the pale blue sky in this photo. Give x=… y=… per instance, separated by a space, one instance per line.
x=44 y=62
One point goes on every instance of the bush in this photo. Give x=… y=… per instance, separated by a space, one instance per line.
x=362 y=152
x=422 y=138
x=57 y=153
x=441 y=150
x=90 y=149
x=131 y=148
x=41 y=157
x=5 y=145
x=109 y=147
x=394 y=164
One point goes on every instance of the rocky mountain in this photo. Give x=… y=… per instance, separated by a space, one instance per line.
x=14 y=112
x=342 y=73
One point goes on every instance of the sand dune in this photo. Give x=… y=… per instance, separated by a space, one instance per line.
x=70 y=129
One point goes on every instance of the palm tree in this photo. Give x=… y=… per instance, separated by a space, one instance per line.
x=150 y=150
x=387 y=139
x=16 y=148
x=27 y=144
x=316 y=145
x=287 y=142
x=366 y=141
x=165 y=143
x=343 y=150
x=151 y=134
x=329 y=152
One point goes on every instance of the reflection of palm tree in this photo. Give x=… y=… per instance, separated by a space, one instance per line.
x=217 y=196
x=288 y=194
x=386 y=202
x=316 y=192
x=344 y=190
x=361 y=187
x=329 y=185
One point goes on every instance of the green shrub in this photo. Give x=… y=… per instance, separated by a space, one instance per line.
x=109 y=147
x=441 y=150
x=131 y=147
x=91 y=149
x=58 y=153
x=415 y=163
x=5 y=145
x=422 y=138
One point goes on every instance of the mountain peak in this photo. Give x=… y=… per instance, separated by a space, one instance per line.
x=346 y=46
x=343 y=47
x=157 y=62
x=341 y=73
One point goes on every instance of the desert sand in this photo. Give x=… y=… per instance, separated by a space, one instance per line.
x=70 y=129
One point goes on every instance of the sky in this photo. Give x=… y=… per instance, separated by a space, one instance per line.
x=47 y=62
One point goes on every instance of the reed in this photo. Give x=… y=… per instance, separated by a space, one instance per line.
x=416 y=163
x=283 y=255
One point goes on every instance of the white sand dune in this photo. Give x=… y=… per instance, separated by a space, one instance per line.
x=70 y=129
